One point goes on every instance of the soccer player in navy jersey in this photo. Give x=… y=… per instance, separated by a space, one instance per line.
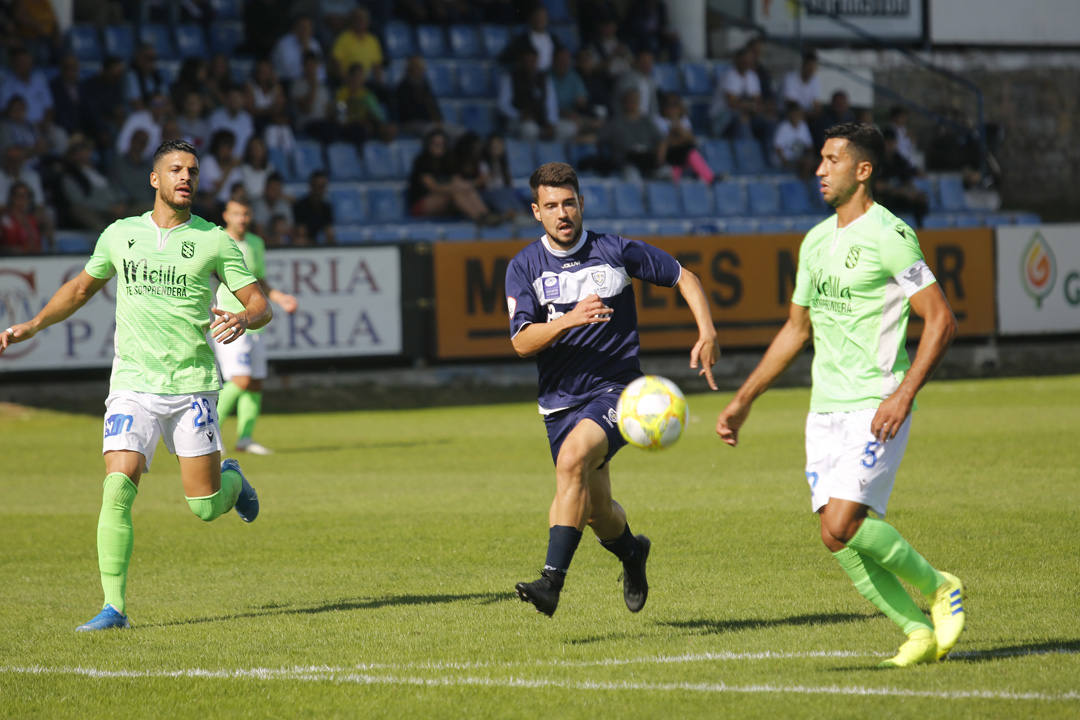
x=572 y=306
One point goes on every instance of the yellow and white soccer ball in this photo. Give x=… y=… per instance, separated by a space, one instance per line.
x=652 y=412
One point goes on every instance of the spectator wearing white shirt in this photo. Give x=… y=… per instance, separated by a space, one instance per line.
x=233 y=117
x=537 y=37
x=736 y=111
x=802 y=86
x=527 y=102
x=898 y=117
x=22 y=79
x=288 y=54
x=792 y=142
x=640 y=77
x=148 y=120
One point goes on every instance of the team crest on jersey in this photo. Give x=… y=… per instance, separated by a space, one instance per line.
x=131 y=242
x=551 y=287
x=612 y=417
x=852 y=257
x=187 y=249
x=599 y=276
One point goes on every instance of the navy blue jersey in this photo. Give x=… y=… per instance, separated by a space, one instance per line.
x=544 y=282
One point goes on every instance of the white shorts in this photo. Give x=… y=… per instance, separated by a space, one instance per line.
x=244 y=356
x=187 y=423
x=845 y=461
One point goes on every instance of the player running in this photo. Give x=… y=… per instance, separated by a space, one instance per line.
x=571 y=305
x=164 y=383
x=860 y=273
x=243 y=363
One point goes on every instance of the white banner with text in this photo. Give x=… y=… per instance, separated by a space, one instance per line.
x=1038 y=279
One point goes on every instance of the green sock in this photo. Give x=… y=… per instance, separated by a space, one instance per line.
x=247 y=412
x=214 y=506
x=879 y=540
x=227 y=398
x=115 y=536
x=881 y=587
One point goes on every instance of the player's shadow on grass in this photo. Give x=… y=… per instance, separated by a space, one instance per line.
x=343 y=605
x=360 y=445
x=1049 y=647
x=716 y=627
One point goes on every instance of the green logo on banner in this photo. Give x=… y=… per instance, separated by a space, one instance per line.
x=1038 y=269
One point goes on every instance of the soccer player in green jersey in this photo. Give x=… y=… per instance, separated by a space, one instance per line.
x=859 y=274
x=164 y=383
x=243 y=363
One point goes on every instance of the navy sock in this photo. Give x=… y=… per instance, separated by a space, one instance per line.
x=624 y=546
x=562 y=544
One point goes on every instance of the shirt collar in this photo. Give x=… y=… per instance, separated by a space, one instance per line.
x=557 y=252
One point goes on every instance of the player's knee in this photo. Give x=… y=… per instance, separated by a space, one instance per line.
x=203 y=508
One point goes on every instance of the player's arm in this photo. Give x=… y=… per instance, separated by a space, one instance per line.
x=256 y=313
x=287 y=302
x=535 y=337
x=784 y=348
x=71 y=296
x=939 y=329
x=705 y=350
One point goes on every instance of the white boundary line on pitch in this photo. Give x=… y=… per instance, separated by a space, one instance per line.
x=338 y=675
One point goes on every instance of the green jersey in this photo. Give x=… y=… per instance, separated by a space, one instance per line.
x=856 y=281
x=163 y=300
x=253 y=249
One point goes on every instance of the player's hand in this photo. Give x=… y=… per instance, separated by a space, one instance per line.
x=730 y=420
x=590 y=310
x=705 y=351
x=228 y=326
x=16 y=333
x=890 y=415
x=288 y=303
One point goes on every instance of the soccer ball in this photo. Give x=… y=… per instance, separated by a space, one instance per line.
x=652 y=412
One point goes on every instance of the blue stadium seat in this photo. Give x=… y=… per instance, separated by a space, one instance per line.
x=793 y=198
x=307 y=158
x=577 y=151
x=699 y=116
x=697 y=78
x=740 y=226
x=388 y=233
x=549 y=151
x=441 y=76
x=629 y=200
x=119 y=41
x=558 y=11
x=226 y=36
x=730 y=199
x=928 y=186
x=380 y=161
x=280 y=160
x=474 y=79
x=84 y=42
x=803 y=223
x=763 y=198
x=240 y=68
x=73 y=242
x=348 y=204
x=465 y=41
x=230 y=9
x=664 y=199
x=431 y=41
x=398 y=40
x=519 y=155
x=352 y=234
x=503 y=231
x=344 y=162
x=422 y=231
x=387 y=205
x=775 y=225
x=159 y=36
x=460 y=231
x=190 y=41
x=951 y=190
x=169 y=70
x=494 y=38
x=748 y=158
x=567 y=35
x=697 y=198
x=668 y=78
x=478 y=116
x=970 y=220
x=597 y=200
x=719 y=156
x=673 y=227
x=635 y=228
x=934 y=221
x=406 y=150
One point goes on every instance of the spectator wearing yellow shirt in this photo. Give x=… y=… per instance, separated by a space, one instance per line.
x=357 y=45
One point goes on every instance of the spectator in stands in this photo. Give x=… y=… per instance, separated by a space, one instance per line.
x=955 y=148
x=893 y=182
x=233 y=117
x=218 y=81
x=736 y=110
x=289 y=51
x=263 y=94
x=24 y=80
x=67 y=95
x=34 y=22
x=793 y=144
x=279 y=135
x=756 y=47
x=279 y=232
x=898 y=119
x=613 y=54
x=837 y=111
x=572 y=98
x=436 y=188
x=682 y=152
x=647 y=30
x=273 y=202
x=192 y=121
x=150 y=120
x=90 y=202
x=53 y=137
x=640 y=77
x=356 y=44
x=313 y=106
x=526 y=101
x=483 y=164
x=216 y=170
x=20 y=233
x=417 y=108
x=313 y=212
x=361 y=115
x=105 y=106
x=537 y=38
x=15 y=169
x=256 y=168
x=635 y=144
x=264 y=22
x=129 y=176
x=144 y=80
x=801 y=86
x=597 y=84
x=15 y=129
x=191 y=78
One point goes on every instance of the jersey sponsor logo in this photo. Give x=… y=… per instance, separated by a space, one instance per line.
x=118 y=423
x=572 y=263
x=187 y=249
x=573 y=286
x=852 y=257
x=142 y=279
x=830 y=293
x=550 y=286
x=1039 y=270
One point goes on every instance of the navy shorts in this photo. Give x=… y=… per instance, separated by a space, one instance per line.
x=601 y=410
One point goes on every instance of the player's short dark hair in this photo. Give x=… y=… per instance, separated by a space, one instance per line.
x=170 y=146
x=865 y=138
x=554 y=174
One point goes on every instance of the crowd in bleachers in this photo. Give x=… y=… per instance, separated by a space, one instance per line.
x=343 y=121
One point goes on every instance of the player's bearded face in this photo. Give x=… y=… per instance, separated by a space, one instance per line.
x=558 y=208
x=176 y=177
x=837 y=172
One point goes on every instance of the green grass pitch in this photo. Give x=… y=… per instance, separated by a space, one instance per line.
x=378 y=580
